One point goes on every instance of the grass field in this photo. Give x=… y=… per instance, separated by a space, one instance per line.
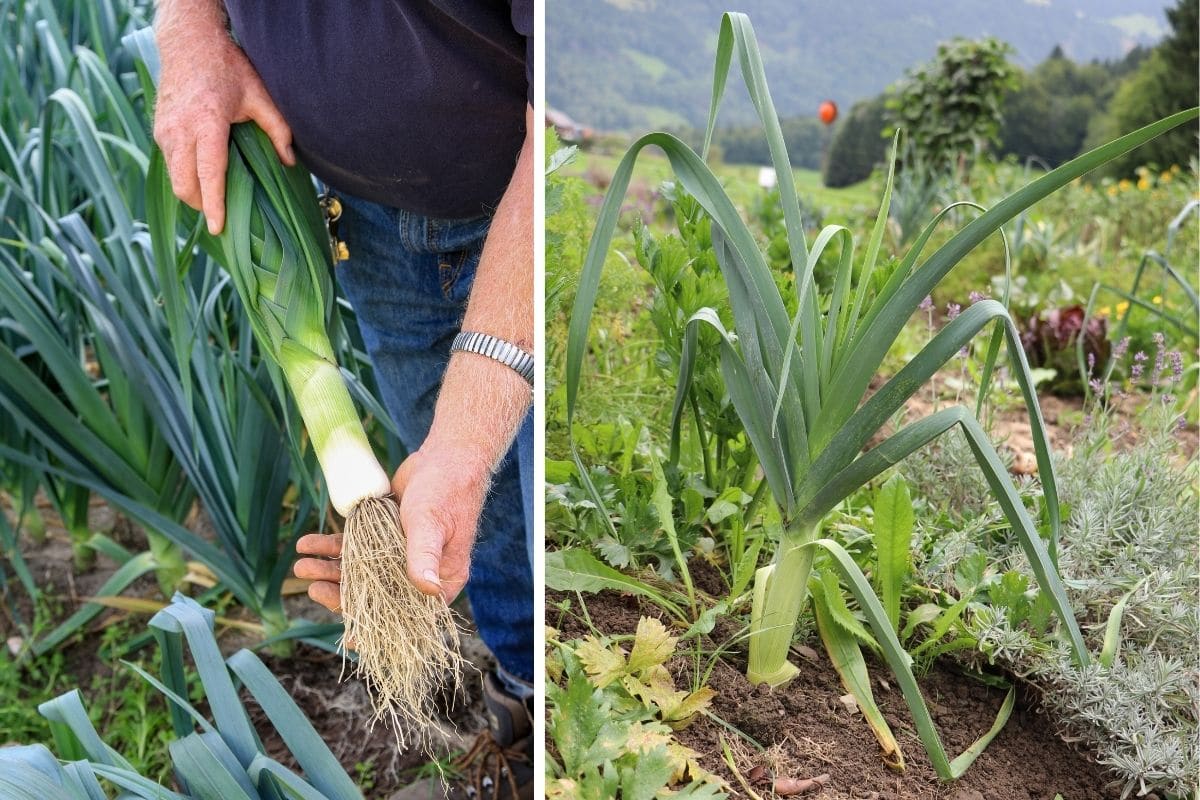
x=741 y=180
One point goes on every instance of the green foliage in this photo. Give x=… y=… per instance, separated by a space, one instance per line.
x=224 y=759
x=97 y=397
x=566 y=224
x=893 y=538
x=24 y=684
x=803 y=464
x=643 y=674
x=1048 y=113
x=141 y=731
x=857 y=146
x=806 y=138
x=1167 y=81
x=611 y=715
x=1129 y=558
x=950 y=107
x=841 y=51
x=796 y=383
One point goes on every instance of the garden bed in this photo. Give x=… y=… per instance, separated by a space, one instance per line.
x=311 y=676
x=807 y=731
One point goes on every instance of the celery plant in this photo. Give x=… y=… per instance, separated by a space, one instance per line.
x=800 y=384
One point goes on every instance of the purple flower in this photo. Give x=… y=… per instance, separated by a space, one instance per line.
x=975 y=297
x=1096 y=386
x=952 y=311
x=1176 y=359
x=1160 y=354
x=1091 y=362
x=1139 y=364
x=1119 y=351
x=926 y=304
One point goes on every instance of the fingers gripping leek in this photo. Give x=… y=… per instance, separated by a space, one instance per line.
x=276 y=249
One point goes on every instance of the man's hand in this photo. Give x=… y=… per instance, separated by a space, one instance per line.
x=206 y=85
x=441 y=493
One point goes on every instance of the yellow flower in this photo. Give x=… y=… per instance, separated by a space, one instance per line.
x=1174 y=169
x=1125 y=185
x=1143 y=184
x=1157 y=300
x=1103 y=312
x=1112 y=191
x=1166 y=176
x=1122 y=306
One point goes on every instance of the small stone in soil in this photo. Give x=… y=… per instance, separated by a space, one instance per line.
x=806 y=652
x=788 y=787
x=967 y=794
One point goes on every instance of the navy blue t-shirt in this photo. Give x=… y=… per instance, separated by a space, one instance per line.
x=417 y=104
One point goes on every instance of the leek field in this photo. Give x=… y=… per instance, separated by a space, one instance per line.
x=885 y=491
x=154 y=476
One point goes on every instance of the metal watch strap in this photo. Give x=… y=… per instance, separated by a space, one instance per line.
x=506 y=353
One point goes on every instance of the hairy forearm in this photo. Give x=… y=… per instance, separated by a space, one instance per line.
x=482 y=402
x=189 y=20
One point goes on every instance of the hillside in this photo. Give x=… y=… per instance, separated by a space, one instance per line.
x=632 y=64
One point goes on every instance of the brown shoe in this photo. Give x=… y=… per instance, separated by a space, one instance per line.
x=498 y=765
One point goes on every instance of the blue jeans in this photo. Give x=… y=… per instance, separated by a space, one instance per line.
x=408 y=278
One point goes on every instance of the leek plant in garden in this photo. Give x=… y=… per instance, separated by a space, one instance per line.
x=1184 y=325
x=94 y=395
x=799 y=384
x=224 y=759
x=89 y=374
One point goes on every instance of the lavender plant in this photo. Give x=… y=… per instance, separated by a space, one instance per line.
x=1129 y=559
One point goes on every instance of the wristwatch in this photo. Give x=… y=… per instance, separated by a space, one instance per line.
x=497 y=349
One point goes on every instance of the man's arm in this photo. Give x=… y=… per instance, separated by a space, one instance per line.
x=481 y=403
x=442 y=486
x=205 y=86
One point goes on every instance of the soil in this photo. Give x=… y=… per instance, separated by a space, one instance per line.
x=311 y=676
x=1009 y=426
x=806 y=731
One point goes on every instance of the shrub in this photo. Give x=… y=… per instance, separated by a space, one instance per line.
x=858 y=145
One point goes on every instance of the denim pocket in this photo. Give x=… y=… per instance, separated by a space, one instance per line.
x=421 y=234
x=456 y=273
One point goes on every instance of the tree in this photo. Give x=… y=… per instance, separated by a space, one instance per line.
x=857 y=145
x=1048 y=113
x=950 y=107
x=805 y=138
x=1166 y=82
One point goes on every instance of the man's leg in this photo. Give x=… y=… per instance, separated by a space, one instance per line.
x=408 y=278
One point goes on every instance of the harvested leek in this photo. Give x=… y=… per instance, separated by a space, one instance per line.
x=275 y=247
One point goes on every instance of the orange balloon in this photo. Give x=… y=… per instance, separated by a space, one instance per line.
x=827 y=112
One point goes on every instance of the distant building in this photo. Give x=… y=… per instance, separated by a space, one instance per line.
x=567 y=129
